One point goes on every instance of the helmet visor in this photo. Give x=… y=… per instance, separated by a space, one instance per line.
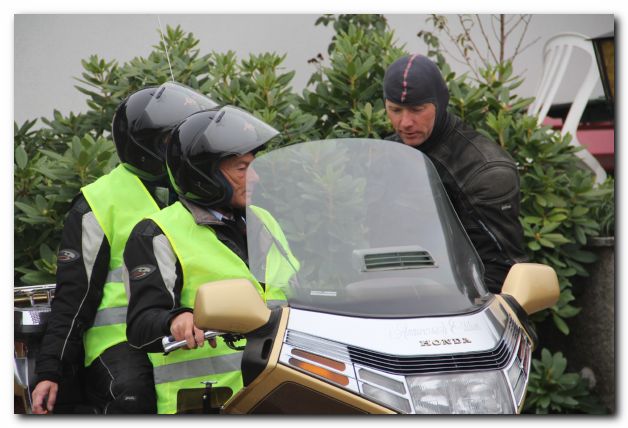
x=171 y=104
x=234 y=131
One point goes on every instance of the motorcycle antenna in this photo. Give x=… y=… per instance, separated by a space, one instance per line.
x=165 y=48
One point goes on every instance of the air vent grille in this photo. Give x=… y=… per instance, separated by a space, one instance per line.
x=398 y=260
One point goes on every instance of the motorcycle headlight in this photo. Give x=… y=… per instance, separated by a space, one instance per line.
x=461 y=393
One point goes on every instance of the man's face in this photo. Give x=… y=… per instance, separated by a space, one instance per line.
x=234 y=169
x=414 y=124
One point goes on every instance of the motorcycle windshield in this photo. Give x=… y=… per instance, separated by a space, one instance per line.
x=359 y=227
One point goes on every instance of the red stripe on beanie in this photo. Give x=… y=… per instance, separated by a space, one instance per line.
x=405 y=77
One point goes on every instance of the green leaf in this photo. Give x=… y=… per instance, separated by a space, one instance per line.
x=546 y=243
x=21 y=158
x=76 y=147
x=559 y=364
x=532 y=219
x=36 y=278
x=40 y=202
x=27 y=209
x=581 y=237
x=46 y=253
x=534 y=245
x=546 y=358
x=560 y=324
x=544 y=401
x=556 y=238
x=568 y=311
x=582 y=256
x=549 y=227
x=53 y=155
x=570 y=401
x=569 y=380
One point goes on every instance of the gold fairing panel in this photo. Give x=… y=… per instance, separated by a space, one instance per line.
x=276 y=382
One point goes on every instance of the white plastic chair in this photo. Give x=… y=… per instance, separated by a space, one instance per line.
x=556 y=56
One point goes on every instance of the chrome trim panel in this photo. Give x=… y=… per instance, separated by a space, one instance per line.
x=494 y=359
x=477 y=332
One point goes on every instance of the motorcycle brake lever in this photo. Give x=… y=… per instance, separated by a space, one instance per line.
x=230 y=340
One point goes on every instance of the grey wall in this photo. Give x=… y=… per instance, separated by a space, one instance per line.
x=48 y=48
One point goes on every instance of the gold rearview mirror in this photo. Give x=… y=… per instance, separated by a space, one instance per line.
x=534 y=286
x=230 y=306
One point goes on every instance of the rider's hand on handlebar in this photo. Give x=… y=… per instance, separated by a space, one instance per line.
x=182 y=328
x=44 y=390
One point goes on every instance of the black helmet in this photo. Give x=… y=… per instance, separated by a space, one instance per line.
x=198 y=145
x=143 y=120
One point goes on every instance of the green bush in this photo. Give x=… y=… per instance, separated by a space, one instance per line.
x=347 y=94
x=552 y=390
x=48 y=172
x=52 y=162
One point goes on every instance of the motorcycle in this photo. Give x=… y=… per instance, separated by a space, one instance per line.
x=378 y=301
x=384 y=305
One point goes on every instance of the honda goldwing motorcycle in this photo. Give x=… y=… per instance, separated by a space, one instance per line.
x=384 y=305
x=375 y=301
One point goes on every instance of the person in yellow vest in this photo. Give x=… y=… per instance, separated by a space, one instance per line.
x=200 y=238
x=87 y=324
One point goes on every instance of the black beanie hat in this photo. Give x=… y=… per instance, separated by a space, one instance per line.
x=414 y=80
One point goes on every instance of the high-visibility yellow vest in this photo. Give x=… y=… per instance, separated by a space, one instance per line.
x=119 y=200
x=203 y=259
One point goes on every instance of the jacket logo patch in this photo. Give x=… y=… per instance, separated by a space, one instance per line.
x=141 y=272
x=67 y=256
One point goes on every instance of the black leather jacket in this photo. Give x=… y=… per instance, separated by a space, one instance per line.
x=482 y=182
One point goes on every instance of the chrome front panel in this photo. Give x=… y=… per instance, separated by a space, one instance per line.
x=480 y=331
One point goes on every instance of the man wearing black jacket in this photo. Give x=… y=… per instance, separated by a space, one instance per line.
x=87 y=324
x=480 y=178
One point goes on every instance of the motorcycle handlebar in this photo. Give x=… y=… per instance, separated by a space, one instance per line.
x=169 y=344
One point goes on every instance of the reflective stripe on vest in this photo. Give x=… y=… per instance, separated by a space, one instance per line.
x=114 y=275
x=197 y=368
x=119 y=201
x=203 y=259
x=110 y=316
